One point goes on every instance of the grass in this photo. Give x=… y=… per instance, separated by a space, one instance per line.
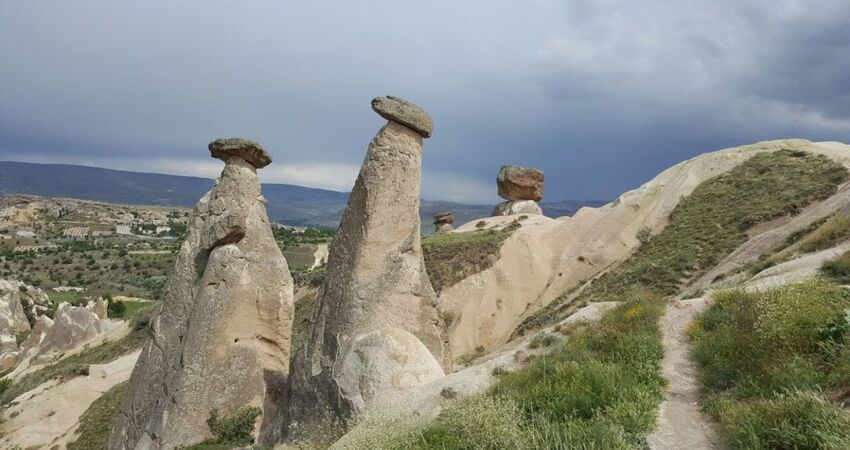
x=711 y=222
x=451 y=257
x=832 y=232
x=96 y=422
x=838 y=269
x=76 y=365
x=599 y=390
x=772 y=363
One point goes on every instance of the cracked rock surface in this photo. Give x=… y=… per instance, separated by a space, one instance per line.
x=221 y=339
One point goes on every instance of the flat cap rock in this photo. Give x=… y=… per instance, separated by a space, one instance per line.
x=244 y=148
x=520 y=183
x=444 y=217
x=405 y=113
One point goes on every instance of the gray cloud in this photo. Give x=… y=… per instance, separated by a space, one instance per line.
x=600 y=94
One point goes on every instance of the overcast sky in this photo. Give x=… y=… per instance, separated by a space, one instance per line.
x=601 y=95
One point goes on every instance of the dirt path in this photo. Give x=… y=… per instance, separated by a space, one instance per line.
x=681 y=424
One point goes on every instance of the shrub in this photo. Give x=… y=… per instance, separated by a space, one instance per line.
x=838 y=269
x=644 y=234
x=116 y=309
x=543 y=340
x=451 y=257
x=236 y=427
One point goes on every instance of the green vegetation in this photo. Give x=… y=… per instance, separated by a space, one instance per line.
x=451 y=257
x=231 y=431
x=78 y=364
x=288 y=237
x=96 y=422
x=600 y=390
x=838 y=269
x=711 y=222
x=829 y=234
x=300 y=257
x=772 y=363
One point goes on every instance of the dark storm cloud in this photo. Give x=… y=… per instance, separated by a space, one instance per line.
x=600 y=94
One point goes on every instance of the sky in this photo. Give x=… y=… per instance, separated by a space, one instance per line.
x=599 y=94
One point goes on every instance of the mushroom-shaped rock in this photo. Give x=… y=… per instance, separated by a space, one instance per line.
x=443 y=222
x=220 y=340
x=376 y=328
x=402 y=111
x=520 y=183
x=250 y=151
x=444 y=217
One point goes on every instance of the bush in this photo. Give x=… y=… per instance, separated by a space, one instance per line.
x=543 y=340
x=838 y=269
x=116 y=309
x=644 y=234
x=237 y=427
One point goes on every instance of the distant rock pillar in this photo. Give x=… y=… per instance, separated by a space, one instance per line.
x=443 y=222
x=221 y=338
x=522 y=187
x=376 y=332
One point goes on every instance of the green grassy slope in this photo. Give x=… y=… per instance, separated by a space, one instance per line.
x=711 y=222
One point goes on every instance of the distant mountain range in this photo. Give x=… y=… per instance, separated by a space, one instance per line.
x=288 y=204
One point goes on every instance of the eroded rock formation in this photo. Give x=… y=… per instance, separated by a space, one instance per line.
x=443 y=222
x=221 y=339
x=376 y=332
x=522 y=188
x=15 y=297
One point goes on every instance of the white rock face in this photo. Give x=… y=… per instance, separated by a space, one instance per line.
x=14 y=298
x=512 y=207
x=70 y=328
x=547 y=257
x=376 y=331
x=221 y=340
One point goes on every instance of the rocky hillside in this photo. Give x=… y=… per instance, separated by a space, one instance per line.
x=559 y=333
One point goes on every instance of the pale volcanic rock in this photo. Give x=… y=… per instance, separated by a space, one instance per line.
x=546 y=258
x=512 y=207
x=99 y=307
x=520 y=183
x=221 y=339
x=14 y=298
x=376 y=332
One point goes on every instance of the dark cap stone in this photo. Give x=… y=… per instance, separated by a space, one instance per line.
x=246 y=149
x=403 y=112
